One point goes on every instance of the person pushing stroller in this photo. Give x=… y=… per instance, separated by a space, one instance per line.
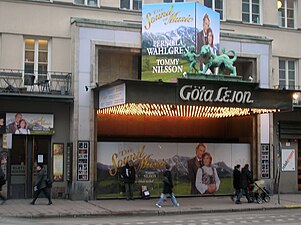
x=246 y=180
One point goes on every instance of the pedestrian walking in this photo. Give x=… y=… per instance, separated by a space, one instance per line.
x=167 y=188
x=128 y=175
x=40 y=185
x=2 y=182
x=246 y=180
x=237 y=184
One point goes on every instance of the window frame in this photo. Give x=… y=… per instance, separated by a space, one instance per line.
x=86 y=3
x=285 y=83
x=36 y=61
x=284 y=6
x=173 y=1
x=251 y=13
x=214 y=8
x=131 y=6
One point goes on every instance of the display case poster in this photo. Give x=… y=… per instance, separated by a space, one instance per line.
x=288 y=160
x=83 y=161
x=187 y=172
x=169 y=31
x=58 y=161
x=27 y=123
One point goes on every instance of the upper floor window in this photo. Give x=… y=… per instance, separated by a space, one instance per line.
x=287 y=73
x=36 y=56
x=86 y=2
x=216 y=5
x=35 y=60
x=286 y=13
x=251 y=11
x=131 y=4
x=168 y=1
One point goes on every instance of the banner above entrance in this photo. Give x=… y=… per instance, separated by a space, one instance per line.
x=192 y=98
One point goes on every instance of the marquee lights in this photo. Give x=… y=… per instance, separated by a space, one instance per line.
x=181 y=110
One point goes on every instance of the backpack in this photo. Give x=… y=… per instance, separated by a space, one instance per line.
x=49 y=182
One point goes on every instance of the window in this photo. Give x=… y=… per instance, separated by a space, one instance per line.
x=251 y=11
x=168 y=1
x=86 y=2
x=286 y=13
x=287 y=74
x=216 y=5
x=131 y=4
x=36 y=58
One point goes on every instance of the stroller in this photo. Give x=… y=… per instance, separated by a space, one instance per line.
x=258 y=192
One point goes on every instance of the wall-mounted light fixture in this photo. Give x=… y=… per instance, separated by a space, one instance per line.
x=87 y=87
x=279 y=4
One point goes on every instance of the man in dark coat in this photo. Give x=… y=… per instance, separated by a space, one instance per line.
x=202 y=37
x=237 y=183
x=128 y=175
x=40 y=185
x=246 y=179
x=167 y=188
x=194 y=164
x=2 y=182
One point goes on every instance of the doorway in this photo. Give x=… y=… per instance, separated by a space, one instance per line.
x=27 y=151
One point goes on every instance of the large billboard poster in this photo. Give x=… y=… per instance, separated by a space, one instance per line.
x=27 y=123
x=150 y=159
x=169 y=31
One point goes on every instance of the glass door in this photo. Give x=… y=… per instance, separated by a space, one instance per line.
x=27 y=151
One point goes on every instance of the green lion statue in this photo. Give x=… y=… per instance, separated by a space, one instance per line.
x=223 y=61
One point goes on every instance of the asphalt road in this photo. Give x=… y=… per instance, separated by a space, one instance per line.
x=288 y=216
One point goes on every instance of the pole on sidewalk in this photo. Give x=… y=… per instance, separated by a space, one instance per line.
x=278 y=164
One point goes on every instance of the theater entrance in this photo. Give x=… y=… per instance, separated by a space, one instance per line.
x=27 y=151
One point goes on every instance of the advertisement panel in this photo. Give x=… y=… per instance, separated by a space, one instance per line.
x=27 y=123
x=169 y=31
x=150 y=159
x=58 y=161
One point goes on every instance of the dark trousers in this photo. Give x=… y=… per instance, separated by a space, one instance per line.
x=129 y=190
x=238 y=194
x=246 y=192
x=37 y=193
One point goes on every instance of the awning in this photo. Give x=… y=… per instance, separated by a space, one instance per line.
x=202 y=98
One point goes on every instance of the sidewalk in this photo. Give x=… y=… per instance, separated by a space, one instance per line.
x=139 y=207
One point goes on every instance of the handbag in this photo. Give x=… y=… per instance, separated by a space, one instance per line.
x=49 y=183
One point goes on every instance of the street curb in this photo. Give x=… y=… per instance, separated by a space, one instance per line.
x=155 y=212
x=293 y=206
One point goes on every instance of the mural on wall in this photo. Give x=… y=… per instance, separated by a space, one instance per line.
x=150 y=159
x=172 y=37
x=27 y=123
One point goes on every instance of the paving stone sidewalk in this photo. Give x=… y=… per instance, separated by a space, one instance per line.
x=121 y=207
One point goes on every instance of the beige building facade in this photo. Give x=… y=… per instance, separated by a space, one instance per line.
x=78 y=45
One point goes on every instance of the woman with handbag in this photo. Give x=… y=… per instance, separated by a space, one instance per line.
x=40 y=185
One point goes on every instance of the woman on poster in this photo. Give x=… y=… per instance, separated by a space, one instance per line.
x=207 y=180
x=23 y=129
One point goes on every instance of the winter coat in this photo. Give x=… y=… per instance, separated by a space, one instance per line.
x=236 y=179
x=128 y=174
x=40 y=180
x=246 y=177
x=167 y=182
x=193 y=166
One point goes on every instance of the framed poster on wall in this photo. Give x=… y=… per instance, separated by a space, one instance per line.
x=288 y=160
x=265 y=161
x=83 y=160
x=58 y=161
